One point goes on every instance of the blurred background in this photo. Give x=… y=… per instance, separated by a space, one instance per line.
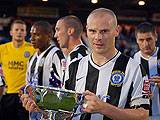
x=129 y=14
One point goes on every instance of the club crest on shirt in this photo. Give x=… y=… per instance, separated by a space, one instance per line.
x=158 y=63
x=117 y=78
x=26 y=54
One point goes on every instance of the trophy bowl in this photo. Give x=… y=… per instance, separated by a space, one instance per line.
x=55 y=103
x=54 y=98
x=50 y=98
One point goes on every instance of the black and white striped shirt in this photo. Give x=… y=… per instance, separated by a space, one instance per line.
x=76 y=54
x=118 y=82
x=152 y=67
x=40 y=66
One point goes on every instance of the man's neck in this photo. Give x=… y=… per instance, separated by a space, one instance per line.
x=65 y=51
x=43 y=49
x=147 y=56
x=101 y=59
x=73 y=43
x=17 y=44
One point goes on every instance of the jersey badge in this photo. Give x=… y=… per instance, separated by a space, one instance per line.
x=117 y=78
x=26 y=54
x=105 y=98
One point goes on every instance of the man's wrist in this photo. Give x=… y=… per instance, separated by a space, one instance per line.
x=103 y=106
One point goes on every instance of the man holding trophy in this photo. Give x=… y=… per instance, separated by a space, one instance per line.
x=112 y=84
x=44 y=67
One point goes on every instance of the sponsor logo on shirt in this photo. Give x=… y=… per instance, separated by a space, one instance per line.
x=117 y=78
x=146 y=89
x=16 y=65
x=63 y=63
x=80 y=78
x=105 y=98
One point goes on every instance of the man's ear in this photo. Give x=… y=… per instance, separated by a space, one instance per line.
x=71 y=31
x=10 y=32
x=156 y=36
x=86 y=27
x=117 y=29
x=50 y=36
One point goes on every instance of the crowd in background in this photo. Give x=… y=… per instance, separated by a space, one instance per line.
x=125 y=42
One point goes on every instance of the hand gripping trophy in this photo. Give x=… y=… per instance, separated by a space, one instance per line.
x=54 y=102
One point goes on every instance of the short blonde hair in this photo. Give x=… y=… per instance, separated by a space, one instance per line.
x=105 y=11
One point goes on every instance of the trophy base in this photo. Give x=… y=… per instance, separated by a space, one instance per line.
x=56 y=115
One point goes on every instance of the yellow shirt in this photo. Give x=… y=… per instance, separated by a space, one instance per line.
x=14 y=64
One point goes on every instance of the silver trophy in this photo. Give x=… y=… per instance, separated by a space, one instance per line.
x=55 y=103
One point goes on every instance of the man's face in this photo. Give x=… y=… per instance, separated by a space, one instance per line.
x=61 y=34
x=39 y=38
x=146 y=42
x=101 y=33
x=18 y=32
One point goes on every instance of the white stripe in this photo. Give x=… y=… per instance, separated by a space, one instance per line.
x=139 y=101
x=97 y=116
x=1 y=81
x=152 y=65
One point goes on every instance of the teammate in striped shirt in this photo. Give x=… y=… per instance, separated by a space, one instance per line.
x=114 y=82
x=149 y=57
x=68 y=34
x=46 y=62
x=47 y=58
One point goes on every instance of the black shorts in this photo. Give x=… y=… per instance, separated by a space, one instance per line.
x=11 y=108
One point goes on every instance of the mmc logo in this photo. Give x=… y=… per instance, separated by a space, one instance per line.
x=117 y=78
x=16 y=65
